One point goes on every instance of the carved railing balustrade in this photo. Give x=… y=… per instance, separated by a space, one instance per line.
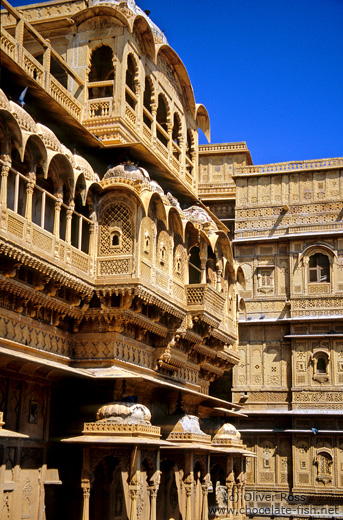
x=317 y=164
x=13 y=48
x=317 y=305
x=204 y=299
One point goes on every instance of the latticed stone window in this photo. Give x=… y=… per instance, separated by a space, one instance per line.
x=266 y=277
x=116 y=231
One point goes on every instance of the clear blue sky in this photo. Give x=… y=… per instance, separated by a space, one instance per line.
x=270 y=72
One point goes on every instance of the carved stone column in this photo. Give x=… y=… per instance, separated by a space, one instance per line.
x=170 y=140
x=204 y=507
x=3 y=194
x=86 y=487
x=219 y=269
x=57 y=217
x=239 y=497
x=153 y=126
x=29 y=194
x=189 y=481
x=230 y=480
x=46 y=64
x=153 y=490
x=133 y=492
x=19 y=36
x=69 y=217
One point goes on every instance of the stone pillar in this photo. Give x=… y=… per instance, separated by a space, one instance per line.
x=239 y=497
x=29 y=194
x=85 y=485
x=19 y=36
x=70 y=212
x=92 y=245
x=153 y=124
x=3 y=194
x=204 y=508
x=46 y=65
x=153 y=490
x=170 y=140
x=235 y=496
x=57 y=217
x=219 y=269
x=230 y=480
x=188 y=482
x=133 y=492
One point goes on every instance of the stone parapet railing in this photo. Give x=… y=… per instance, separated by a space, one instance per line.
x=203 y=297
x=290 y=166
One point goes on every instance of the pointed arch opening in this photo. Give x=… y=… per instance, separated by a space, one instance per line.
x=101 y=73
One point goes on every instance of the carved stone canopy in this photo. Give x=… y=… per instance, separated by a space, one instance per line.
x=124 y=413
x=127 y=171
x=187 y=429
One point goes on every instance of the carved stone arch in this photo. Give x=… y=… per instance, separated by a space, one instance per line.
x=175 y=222
x=177 y=132
x=59 y=166
x=11 y=133
x=181 y=73
x=156 y=209
x=132 y=72
x=190 y=143
x=149 y=96
x=324 y=463
x=93 y=192
x=35 y=149
x=107 y=497
x=101 y=68
x=240 y=276
x=320 y=358
x=93 y=47
x=315 y=248
x=146 y=35
x=163 y=115
x=169 y=496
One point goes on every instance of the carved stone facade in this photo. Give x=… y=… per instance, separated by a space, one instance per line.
x=117 y=285
x=288 y=241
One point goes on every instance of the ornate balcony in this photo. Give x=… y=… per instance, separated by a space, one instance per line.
x=204 y=300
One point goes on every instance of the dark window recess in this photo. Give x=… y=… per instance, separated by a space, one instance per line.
x=319 y=268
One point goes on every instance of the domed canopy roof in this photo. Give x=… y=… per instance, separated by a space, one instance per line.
x=227 y=431
x=127 y=171
x=124 y=413
x=131 y=4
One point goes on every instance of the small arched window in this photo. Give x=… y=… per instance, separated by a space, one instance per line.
x=101 y=69
x=194 y=266
x=147 y=102
x=115 y=239
x=321 y=365
x=319 y=268
x=162 y=119
x=131 y=72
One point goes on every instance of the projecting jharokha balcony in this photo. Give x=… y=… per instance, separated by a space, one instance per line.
x=115 y=119
x=204 y=299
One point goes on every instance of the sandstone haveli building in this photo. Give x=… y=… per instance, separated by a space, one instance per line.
x=156 y=296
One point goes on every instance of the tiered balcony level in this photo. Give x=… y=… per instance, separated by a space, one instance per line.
x=115 y=121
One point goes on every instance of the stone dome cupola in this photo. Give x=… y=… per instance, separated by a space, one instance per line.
x=127 y=170
x=124 y=413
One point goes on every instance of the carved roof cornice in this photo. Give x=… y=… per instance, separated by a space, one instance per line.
x=52 y=271
x=222 y=336
x=205 y=351
x=149 y=296
x=130 y=316
x=28 y=294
